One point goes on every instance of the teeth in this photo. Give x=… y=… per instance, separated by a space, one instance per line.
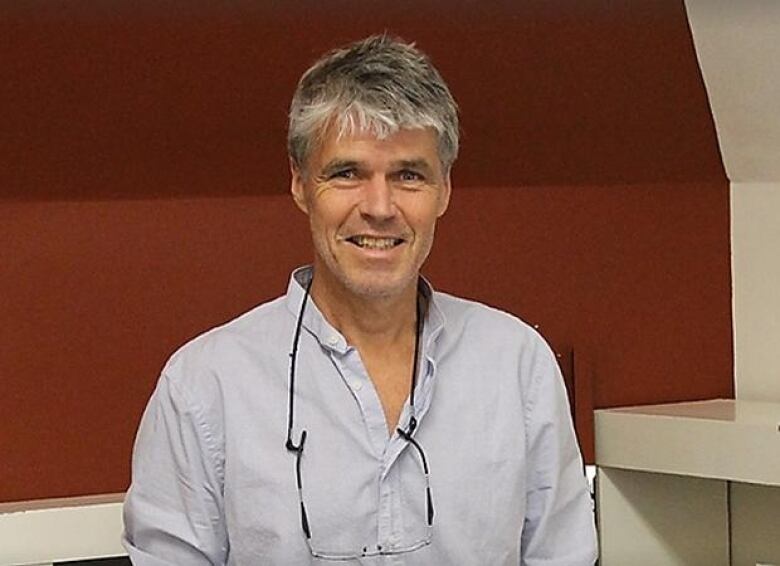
x=375 y=243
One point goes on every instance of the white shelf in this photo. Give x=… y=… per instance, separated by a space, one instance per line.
x=730 y=440
x=689 y=484
x=54 y=530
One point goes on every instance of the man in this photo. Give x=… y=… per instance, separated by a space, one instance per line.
x=363 y=417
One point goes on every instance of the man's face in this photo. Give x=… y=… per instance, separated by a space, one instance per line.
x=372 y=206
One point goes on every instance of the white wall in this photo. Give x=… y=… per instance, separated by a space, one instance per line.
x=756 y=266
x=738 y=46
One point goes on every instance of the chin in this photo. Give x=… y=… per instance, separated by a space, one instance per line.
x=378 y=286
x=362 y=281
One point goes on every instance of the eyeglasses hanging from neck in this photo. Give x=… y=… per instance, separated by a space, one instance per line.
x=406 y=434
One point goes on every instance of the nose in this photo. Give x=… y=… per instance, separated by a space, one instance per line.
x=378 y=199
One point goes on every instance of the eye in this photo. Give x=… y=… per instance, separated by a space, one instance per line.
x=409 y=176
x=345 y=174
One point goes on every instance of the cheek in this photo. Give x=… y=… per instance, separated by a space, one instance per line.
x=423 y=220
x=327 y=217
x=419 y=209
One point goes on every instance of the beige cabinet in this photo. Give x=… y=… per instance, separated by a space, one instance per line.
x=689 y=484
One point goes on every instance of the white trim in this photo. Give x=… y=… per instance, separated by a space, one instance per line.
x=53 y=530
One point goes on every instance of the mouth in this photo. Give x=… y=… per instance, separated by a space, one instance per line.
x=374 y=242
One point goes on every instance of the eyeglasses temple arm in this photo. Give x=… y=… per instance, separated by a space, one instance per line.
x=408 y=437
x=289 y=444
x=291 y=389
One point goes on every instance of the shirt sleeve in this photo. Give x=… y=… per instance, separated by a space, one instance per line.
x=559 y=528
x=173 y=512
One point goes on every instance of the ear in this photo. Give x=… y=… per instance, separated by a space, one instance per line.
x=297 y=187
x=444 y=196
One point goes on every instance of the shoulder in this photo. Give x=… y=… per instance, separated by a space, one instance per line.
x=464 y=316
x=216 y=351
x=496 y=337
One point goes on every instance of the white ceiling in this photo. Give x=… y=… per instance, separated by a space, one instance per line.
x=738 y=45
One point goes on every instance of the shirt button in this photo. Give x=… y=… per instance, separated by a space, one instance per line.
x=333 y=340
x=357 y=385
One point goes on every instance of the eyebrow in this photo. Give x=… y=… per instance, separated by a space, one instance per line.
x=338 y=165
x=419 y=164
x=414 y=164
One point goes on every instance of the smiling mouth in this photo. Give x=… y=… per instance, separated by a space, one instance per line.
x=374 y=243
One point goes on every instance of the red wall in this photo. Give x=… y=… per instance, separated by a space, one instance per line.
x=142 y=181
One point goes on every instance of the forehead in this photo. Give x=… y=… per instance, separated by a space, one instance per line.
x=406 y=144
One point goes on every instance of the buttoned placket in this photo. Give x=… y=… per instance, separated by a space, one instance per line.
x=397 y=447
x=388 y=445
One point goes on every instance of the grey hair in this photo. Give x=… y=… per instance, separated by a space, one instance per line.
x=378 y=85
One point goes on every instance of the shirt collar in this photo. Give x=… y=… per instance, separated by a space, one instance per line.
x=332 y=339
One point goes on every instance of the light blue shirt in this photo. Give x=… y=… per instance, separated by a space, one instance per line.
x=214 y=484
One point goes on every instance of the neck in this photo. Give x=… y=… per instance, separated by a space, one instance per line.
x=366 y=321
